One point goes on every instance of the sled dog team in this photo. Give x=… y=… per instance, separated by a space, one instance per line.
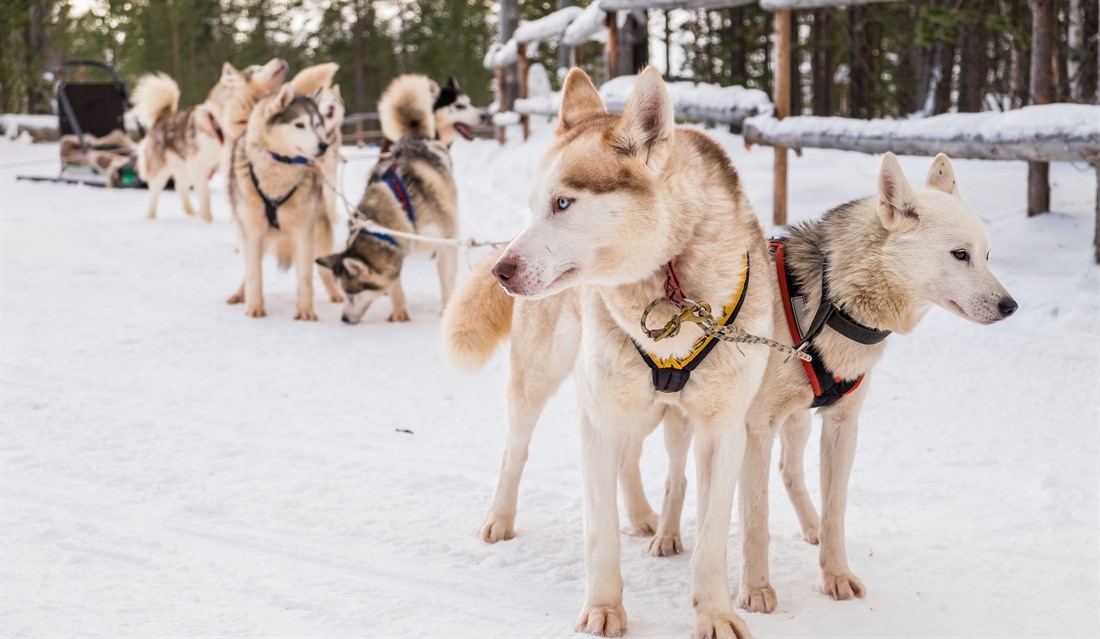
x=277 y=142
x=630 y=213
x=630 y=209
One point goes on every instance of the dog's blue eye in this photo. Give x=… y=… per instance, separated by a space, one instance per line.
x=562 y=203
x=961 y=255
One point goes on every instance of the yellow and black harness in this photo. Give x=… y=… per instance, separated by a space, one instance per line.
x=671 y=375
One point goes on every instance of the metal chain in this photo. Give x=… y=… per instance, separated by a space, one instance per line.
x=700 y=313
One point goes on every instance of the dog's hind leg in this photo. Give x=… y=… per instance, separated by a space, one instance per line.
x=756 y=593
x=156 y=185
x=667 y=541
x=642 y=520
x=183 y=185
x=537 y=368
x=446 y=261
x=838 y=451
x=794 y=434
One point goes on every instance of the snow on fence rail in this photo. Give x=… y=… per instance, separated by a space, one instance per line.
x=549 y=28
x=697 y=102
x=1041 y=133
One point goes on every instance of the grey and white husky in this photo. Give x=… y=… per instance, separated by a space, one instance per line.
x=410 y=190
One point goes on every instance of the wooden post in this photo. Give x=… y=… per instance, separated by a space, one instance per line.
x=612 y=46
x=502 y=102
x=522 y=64
x=1042 y=92
x=359 y=137
x=782 y=109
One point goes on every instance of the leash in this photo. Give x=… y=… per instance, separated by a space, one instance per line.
x=370 y=227
x=694 y=312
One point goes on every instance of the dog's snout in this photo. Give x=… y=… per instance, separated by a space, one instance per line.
x=323 y=146
x=1007 y=306
x=345 y=319
x=504 y=270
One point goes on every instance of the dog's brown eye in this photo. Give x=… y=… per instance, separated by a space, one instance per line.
x=300 y=125
x=961 y=255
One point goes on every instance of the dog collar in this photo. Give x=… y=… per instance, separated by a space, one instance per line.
x=672 y=374
x=297 y=159
x=271 y=207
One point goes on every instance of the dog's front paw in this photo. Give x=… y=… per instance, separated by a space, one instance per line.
x=236 y=298
x=603 y=621
x=206 y=217
x=725 y=625
x=666 y=546
x=399 y=316
x=811 y=536
x=306 y=314
x=254 y=311
x=497 y=528
x=642 y=525
x=758 y=599
x=845 y=586
x=336 y=297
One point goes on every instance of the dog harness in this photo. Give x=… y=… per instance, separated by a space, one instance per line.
x=401 y=194
x=271 y=207
x=672 y=374
x=828 y=388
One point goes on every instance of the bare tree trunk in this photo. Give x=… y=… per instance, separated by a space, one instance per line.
x=563 y=51
x=1042 y=91
x=1076 y=42
x=509 y=20
x=821 y=62
x=357 y=44
x=795 y=69
x=1060 y=46
x=859 y=78
x=972 y=63
x=922 y=68
x=668 y=47
x=1085 y=82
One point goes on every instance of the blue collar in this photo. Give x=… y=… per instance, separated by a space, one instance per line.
x=381 y=236
x=298 y=159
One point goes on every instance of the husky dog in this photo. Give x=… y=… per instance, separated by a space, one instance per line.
x=411 y=190
x=237 y=92
x=185 y=145
x=626 y=210
x=276 y=197
x=882 y=262
x=452 y=115
x=331 y=105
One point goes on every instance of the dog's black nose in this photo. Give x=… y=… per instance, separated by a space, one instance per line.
x=504 y=270
x=324 y=147
x=1007 y=306
x=344 y=319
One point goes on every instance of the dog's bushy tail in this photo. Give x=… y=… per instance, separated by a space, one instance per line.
x=477 y=317
x=405 y=108
x=155 y=96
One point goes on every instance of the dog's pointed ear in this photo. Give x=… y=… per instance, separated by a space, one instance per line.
x=354 y=267
x=331 y=262
x=942 y=176
x=434 y=89
x=895 y=197
x=228 y=71
x=648 y=121
x=452 y=83
x=579 y=100
x=281 y=100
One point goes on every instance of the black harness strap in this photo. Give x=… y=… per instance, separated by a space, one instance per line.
x=271 y=207
x=670 y=379
x=828 y=388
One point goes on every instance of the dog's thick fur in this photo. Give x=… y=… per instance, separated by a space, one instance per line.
x=614 y=200
x=405 y=101
x=890 y=257
x=331 y=105
x=370 y=267
x=289 y=125
x=185 y=145
x=236 y=94
x=310 y=80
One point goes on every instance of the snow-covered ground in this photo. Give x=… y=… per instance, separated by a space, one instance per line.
x=169 y=467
